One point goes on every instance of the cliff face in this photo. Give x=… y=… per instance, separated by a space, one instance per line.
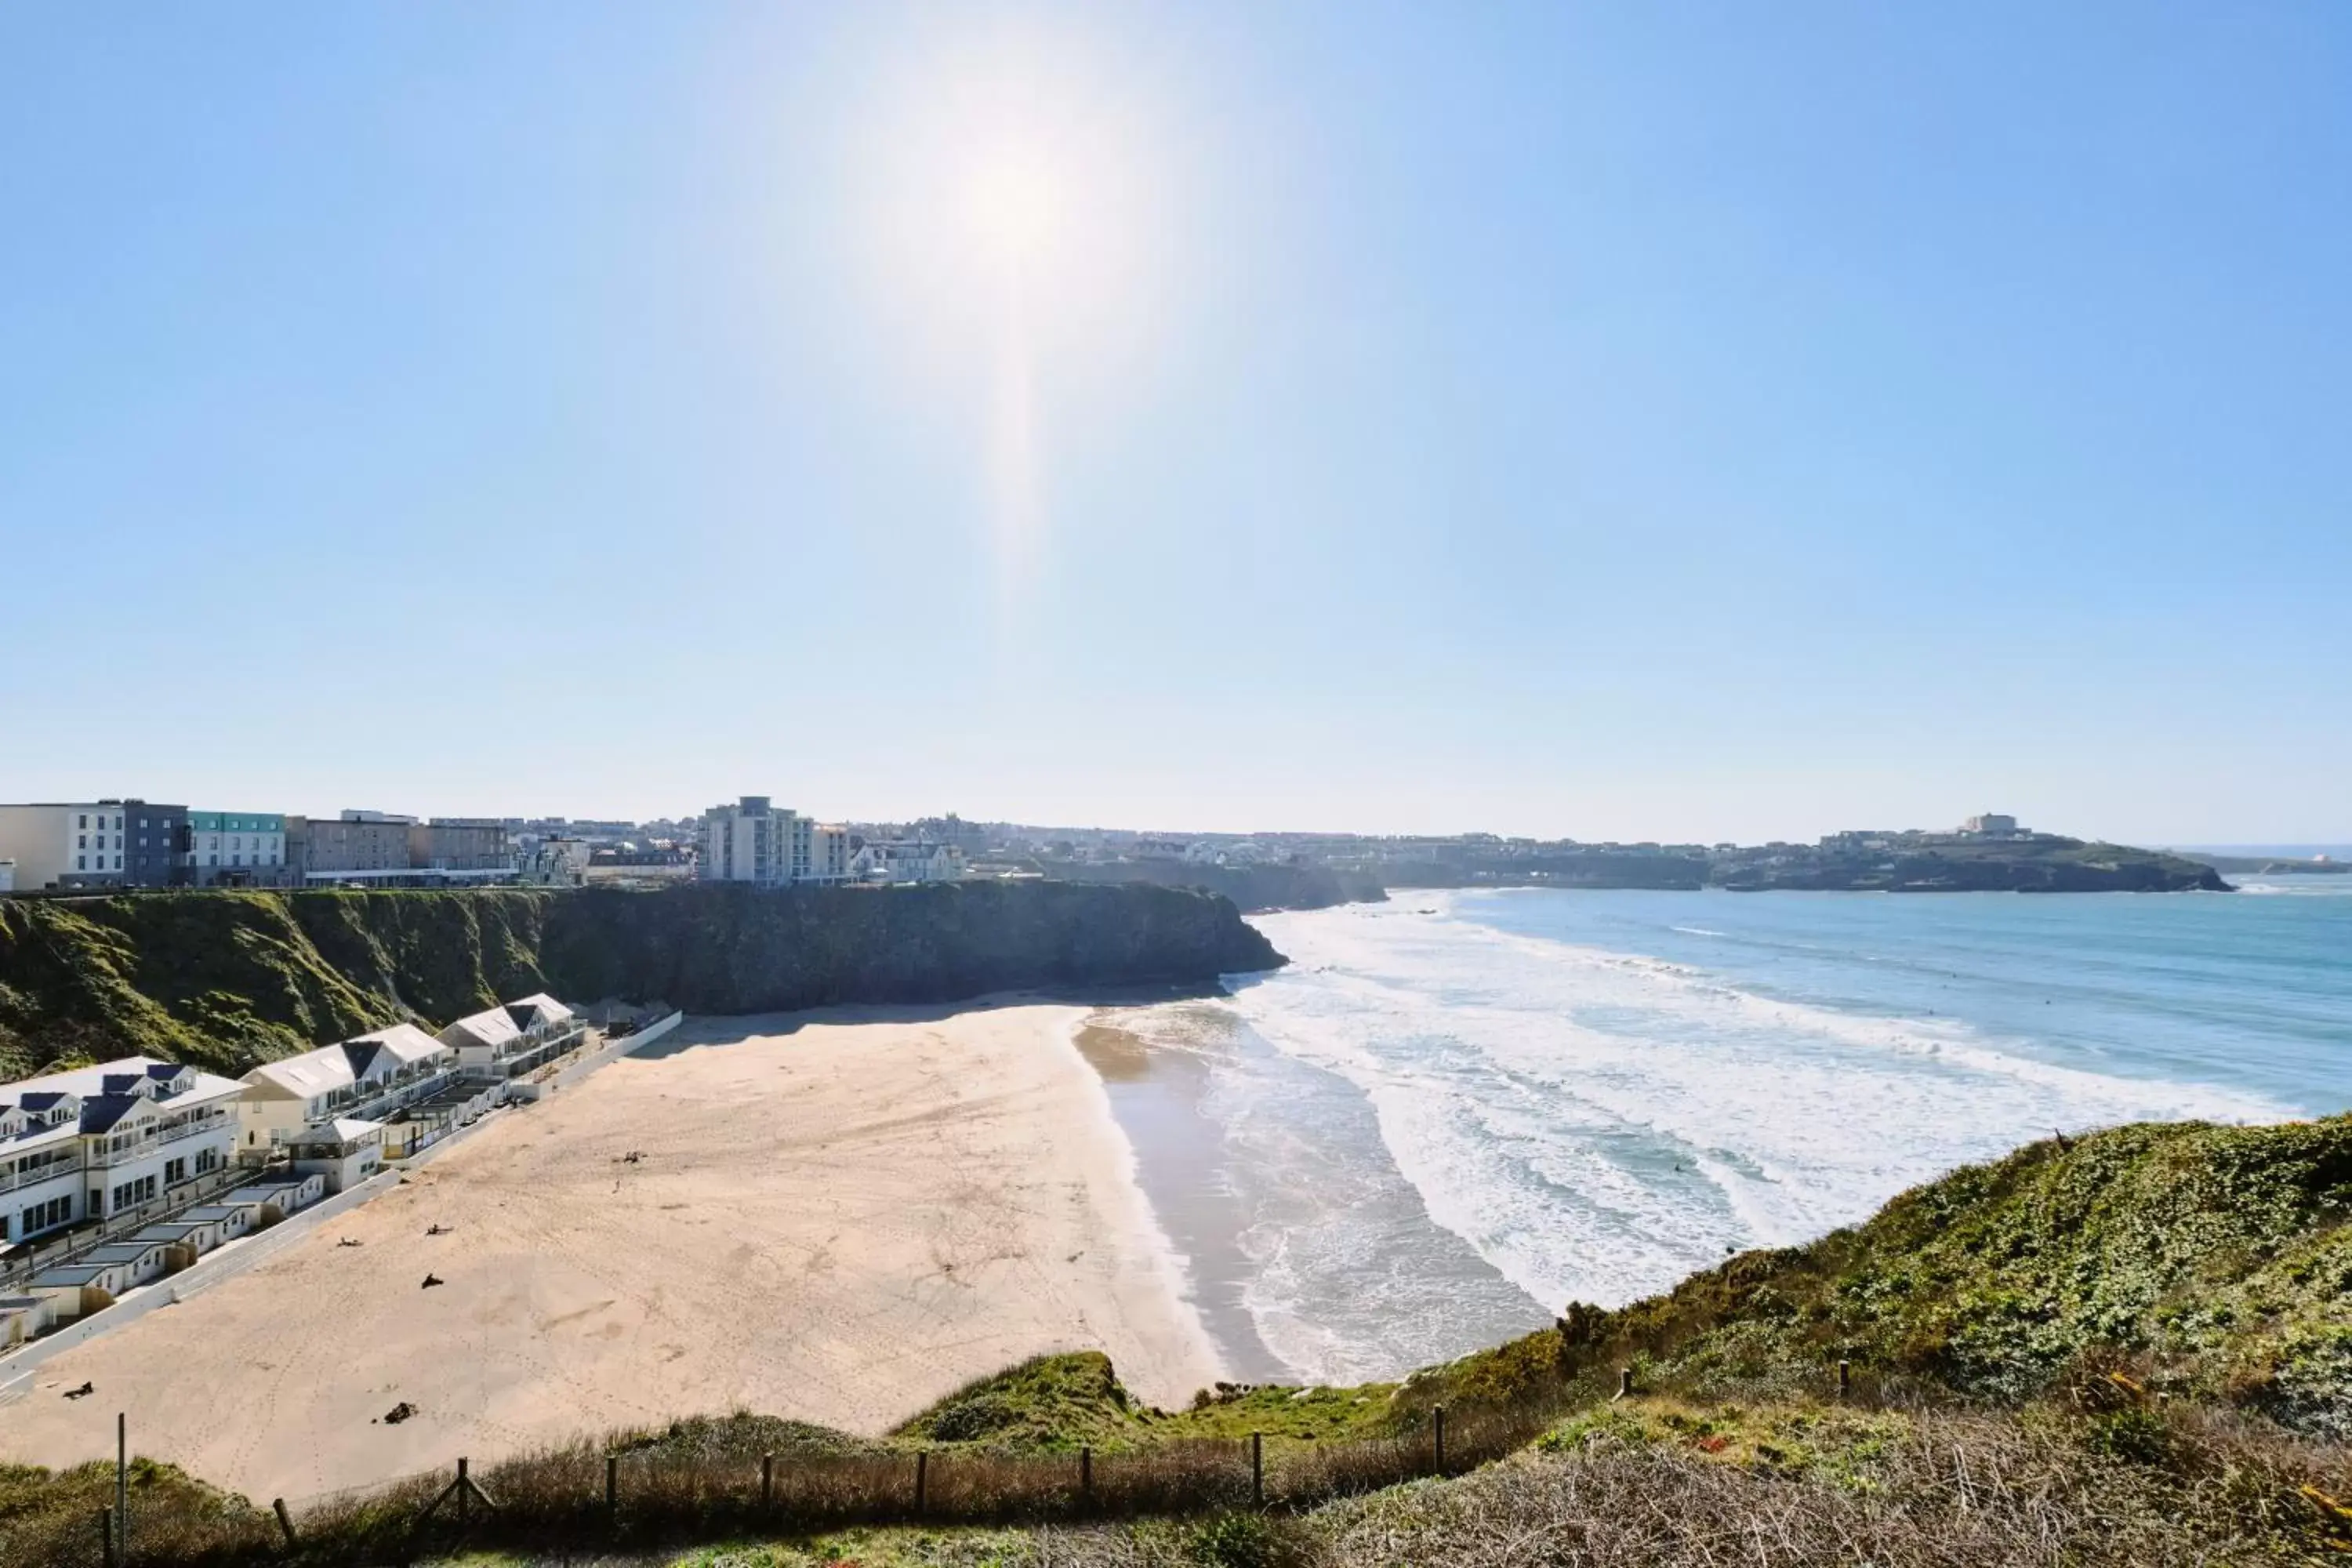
x=1253 y=888
x=225 y=980
x=737 y=950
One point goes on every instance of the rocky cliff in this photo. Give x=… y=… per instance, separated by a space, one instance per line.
x=1254 y=888
x=225 y=980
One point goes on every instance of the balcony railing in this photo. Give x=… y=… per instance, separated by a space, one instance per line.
x=16 y=1179
x=148 y=1142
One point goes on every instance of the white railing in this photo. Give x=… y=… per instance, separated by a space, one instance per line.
x=10 y=1182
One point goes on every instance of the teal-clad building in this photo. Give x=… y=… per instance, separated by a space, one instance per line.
x=237 y=847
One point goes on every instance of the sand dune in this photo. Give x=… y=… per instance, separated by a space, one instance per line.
x=835 y=1217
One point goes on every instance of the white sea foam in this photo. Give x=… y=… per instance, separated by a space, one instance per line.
x=1596 y=1124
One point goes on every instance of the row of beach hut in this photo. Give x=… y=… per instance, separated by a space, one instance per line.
x=92 y=1280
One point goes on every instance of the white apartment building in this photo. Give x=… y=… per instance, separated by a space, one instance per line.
x=756 y=841
x=505 y=1042
x=63 y=844
x=236 y=846
x=366 y=1078
x=8 y=875
x=94 y=1142
x=905 y=860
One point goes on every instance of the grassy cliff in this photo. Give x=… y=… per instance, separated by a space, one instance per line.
x=2130 y=1349
x=2214 y=1262
x=225 y=980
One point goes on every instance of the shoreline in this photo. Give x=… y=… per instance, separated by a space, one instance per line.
x=836 y=1216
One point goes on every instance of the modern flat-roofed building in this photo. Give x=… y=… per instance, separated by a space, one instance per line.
x=368 y=1076
x=156 y=844
x=355 y=841
x=236 y=848
x=757 y=841
x=94 y=1142
x=460 y=843
x=70 y=844
x=751 y=841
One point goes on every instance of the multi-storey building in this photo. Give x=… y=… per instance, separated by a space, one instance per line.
x=503 y=1042
x=907 y=860
x=756 y=841
x=74 y=843
x=829 y=853
x=95 y=1142
x=236 y=848
x=156 y=844
x=369 y=1077
x=460 y=843
x=355 y=841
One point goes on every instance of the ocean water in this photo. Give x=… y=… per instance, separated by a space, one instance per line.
x=1455 y=1111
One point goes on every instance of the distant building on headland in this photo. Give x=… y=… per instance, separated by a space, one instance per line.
x=1990 y=825
x=757 y=841
x=386 y=848
x=892 y=861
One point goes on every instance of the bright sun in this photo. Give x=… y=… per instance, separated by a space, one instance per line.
x=1016 y=208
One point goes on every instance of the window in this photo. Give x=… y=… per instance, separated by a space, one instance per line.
x=83 y=821
x=81 y=841
x=81 y=863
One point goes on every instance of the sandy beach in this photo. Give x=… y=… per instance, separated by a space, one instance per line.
x=835 y=1217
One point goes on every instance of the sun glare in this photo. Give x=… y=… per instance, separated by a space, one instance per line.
x=1015 y=203
x=1014 y=209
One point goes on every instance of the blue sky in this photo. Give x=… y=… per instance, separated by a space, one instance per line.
x=1625 y=421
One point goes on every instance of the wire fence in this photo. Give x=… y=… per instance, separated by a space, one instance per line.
x=582 y=1498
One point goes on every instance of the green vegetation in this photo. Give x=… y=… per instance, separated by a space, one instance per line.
x=2044 y=863
x=2135 y=1348
x=225 y=980
x=2215 y=1260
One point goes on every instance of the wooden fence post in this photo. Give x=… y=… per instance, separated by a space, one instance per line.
x=106 y=1535
x=767 y=1482
x=285 y=1520
x=612 y=1483
x=1257 y=1470
x=922 y=1476
x=1441 y=1439
x=465 y=1496
x=1624 y=1382
x=1087 y=1474
x=1845 y=1377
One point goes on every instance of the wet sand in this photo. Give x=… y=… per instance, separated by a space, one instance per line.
x=836 y=1217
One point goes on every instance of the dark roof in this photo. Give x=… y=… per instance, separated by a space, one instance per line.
x=118 y=1082
x=103 y=1111
x=42 y=1100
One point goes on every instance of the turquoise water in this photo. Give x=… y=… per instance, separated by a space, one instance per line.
x=2250 y=991
x=1454 y=1111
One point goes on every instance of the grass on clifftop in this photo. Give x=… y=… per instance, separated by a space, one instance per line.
x=2214 y=1259
x=1061 y=1403
x=2132 y=1349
